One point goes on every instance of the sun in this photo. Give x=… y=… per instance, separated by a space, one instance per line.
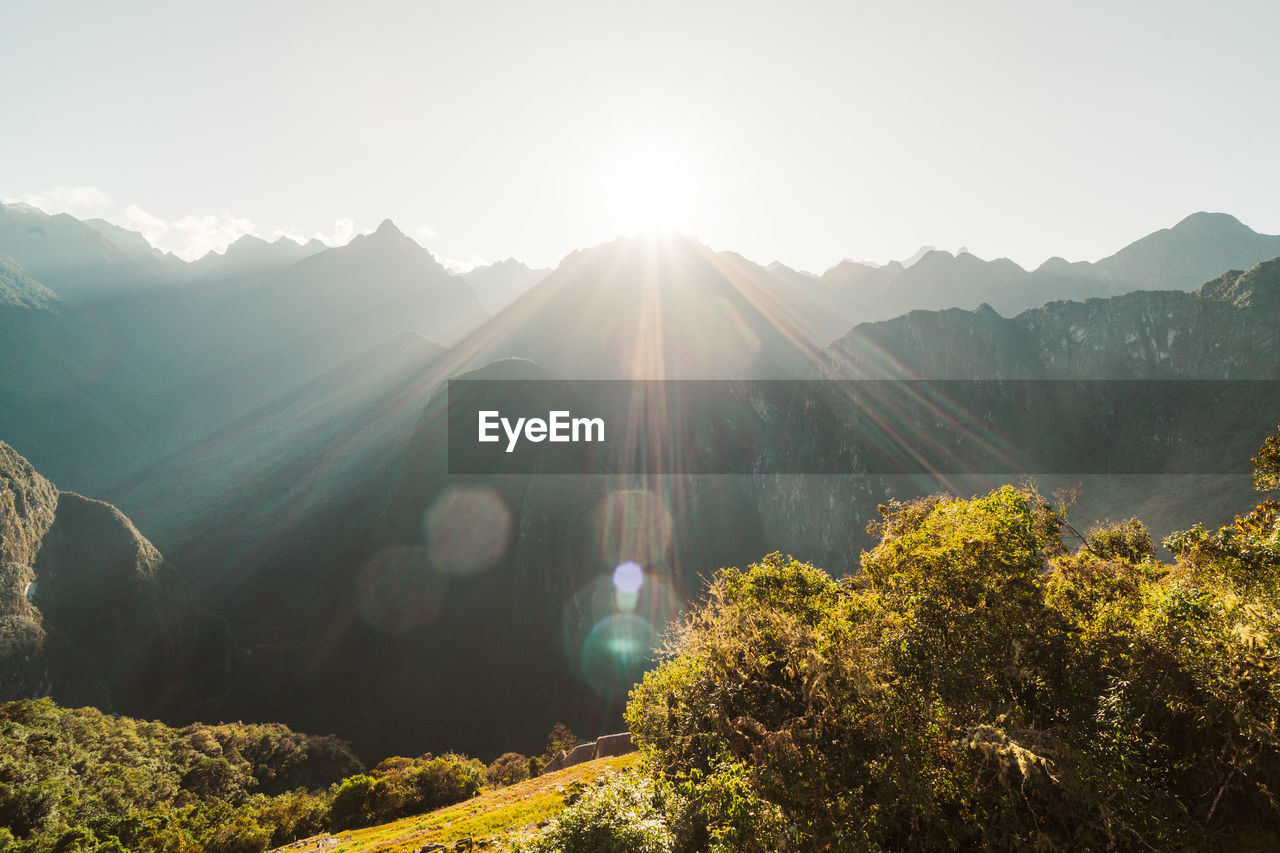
x=652 y=187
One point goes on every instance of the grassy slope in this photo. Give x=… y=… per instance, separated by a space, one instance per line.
x=491 y=814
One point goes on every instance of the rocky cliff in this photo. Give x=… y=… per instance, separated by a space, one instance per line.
x=1226 y=329
x=90 y=611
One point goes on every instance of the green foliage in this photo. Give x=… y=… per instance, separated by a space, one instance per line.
x=979 y=687
x=1266 y=465
x=507 y=769
x=400 y=786
x=1129 y=541
x=353 y=803
x=723 y=811
x=1247 y=551
x=623 y=814
x=82 y=780
x=560 y=737
x=78 y=779
x=448 y=779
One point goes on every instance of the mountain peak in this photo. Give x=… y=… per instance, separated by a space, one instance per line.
x=1257 y=286
x=388 y=229
x=1205 y=221
x=245 y=241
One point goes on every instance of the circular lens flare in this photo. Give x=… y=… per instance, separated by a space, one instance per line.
x=467 y=529
x=399 y=589
x=616 y=652
x=608 y=633
x=628 y=577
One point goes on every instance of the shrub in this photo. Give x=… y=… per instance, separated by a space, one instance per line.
x=979 y=687
x=507 y=769
x=623 y=814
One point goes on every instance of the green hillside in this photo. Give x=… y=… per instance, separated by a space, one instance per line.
x=487 y=818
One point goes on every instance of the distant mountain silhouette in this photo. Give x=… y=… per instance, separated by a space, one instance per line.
x=133 y=244
x=1182 y=257
x=1178 y=258
x=497 y=284
x=382 y=280
x=1223 y=330
x=72 y=258
x=658 y=307
x=919 y=254
x=251 y=258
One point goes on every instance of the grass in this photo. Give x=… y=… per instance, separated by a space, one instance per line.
x=490 y=815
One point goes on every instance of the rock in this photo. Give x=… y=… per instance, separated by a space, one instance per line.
x=607 y=746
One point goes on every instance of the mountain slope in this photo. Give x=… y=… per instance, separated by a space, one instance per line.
x=72 y=258
x=1221 y=331
x=251 y=257
x=90 y=610
x=19 y=290
x=497 y=284
x=1181 y=257
x=654 y=307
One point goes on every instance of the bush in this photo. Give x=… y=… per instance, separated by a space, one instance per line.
x=508 y=768
x=623 y=814
x=353 y=803
x=448 y=779
x=1126 y=540
x=979 y=687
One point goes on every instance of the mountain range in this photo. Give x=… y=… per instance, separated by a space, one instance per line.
x=272 y=419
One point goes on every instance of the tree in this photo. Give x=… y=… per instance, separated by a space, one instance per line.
x=1266 y=465
x=560 y=737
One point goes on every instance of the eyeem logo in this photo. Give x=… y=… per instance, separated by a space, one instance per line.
x=558 y=427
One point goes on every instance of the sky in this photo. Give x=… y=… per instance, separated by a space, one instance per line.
x=802 y=132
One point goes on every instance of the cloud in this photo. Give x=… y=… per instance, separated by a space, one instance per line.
x=67 y=200
x=464 y=266
x=288 y=234
x=343 y=230
x=190 y=237
x=199 y=235
x=426 y=232
x=150 y=226
x=339 y=235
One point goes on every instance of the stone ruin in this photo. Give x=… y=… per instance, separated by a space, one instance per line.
x=605 y=746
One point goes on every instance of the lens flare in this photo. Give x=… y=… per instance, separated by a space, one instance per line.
x=399 y=590
x=634 y=526
x=467 y=529
x=628 y=577
x=627 y=580
x=616 y=652
x=611 y=627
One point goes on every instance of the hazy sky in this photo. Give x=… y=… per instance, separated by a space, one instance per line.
x=801 y=132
